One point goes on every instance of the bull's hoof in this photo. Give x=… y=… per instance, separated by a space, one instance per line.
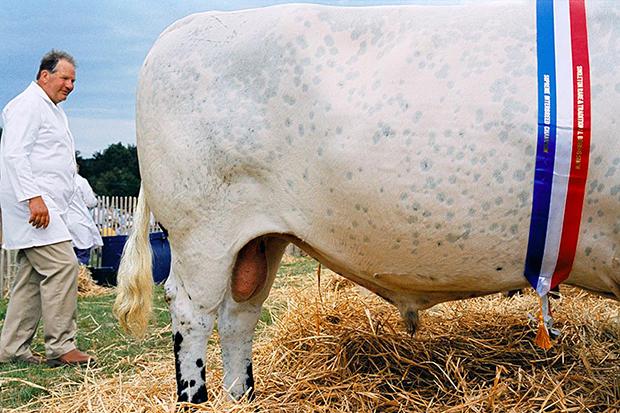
x=199 y=397
x=185 y=409
x=248 y=396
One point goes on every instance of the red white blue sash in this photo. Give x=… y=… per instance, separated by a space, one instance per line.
x=563 y=147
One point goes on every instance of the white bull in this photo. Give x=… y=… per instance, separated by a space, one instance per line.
x=396 y=145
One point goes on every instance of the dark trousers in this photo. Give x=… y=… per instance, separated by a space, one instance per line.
x=83 y=256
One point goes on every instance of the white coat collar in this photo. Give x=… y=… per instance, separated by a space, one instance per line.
x=34 y=86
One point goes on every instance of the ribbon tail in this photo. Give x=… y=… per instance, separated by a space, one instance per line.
x=543 y=340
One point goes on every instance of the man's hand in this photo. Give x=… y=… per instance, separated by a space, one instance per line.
x=39 y=215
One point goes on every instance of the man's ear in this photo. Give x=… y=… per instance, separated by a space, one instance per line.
x=44 y=77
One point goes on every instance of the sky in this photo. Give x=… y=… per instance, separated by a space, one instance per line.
x=109 y=39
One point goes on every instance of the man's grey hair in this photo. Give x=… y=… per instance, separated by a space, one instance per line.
x=50 y=61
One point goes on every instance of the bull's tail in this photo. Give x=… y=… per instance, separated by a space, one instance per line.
x=135 y=280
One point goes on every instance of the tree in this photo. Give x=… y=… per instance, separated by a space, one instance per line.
x=113 y=172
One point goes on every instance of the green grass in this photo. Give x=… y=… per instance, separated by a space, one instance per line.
x=298 y=268
x=100 y=334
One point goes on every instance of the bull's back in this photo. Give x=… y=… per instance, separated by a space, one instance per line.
x=399 y=142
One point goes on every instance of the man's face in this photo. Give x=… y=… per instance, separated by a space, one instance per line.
x=59 y=84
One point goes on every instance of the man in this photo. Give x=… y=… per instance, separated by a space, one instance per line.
x=84 y=231
x=37 y=182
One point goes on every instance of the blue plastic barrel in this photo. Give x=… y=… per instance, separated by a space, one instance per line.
x=113 y=249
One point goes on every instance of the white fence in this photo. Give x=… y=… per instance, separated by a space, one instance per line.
x=113 y=215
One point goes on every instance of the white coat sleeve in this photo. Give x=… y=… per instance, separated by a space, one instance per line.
x=90 y=199
x=21 y=127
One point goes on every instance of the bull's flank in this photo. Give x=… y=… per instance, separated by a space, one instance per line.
x=350 y=353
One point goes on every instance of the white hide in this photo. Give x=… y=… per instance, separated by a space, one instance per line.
x=397 y=142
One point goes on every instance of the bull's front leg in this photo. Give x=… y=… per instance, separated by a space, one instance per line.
x=191 y=329
x=236 y=323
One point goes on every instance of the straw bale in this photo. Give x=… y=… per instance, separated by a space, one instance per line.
x=87 y=286
x=348 y=352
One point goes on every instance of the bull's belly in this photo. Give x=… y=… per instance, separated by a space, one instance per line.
x=418 y=244
x=432 y=220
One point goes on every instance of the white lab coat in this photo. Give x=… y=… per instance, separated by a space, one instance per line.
x=84 y=232
x=37 y=157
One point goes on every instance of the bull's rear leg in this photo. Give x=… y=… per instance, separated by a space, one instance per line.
x=257 y=264
x=191 y=329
